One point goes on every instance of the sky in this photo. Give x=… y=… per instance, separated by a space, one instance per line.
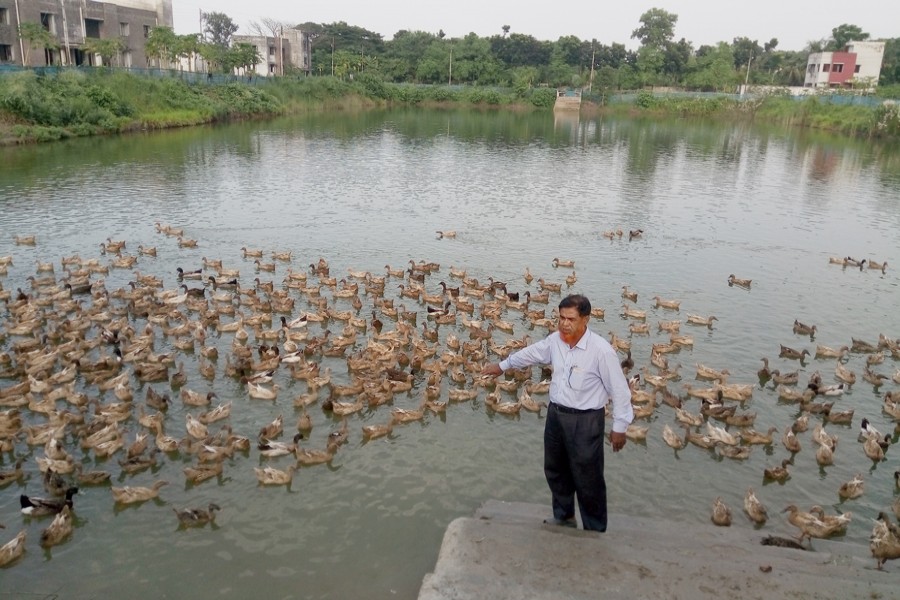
x=793 y=22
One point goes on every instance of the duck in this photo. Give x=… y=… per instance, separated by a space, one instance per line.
x=878 y=266
x=790 y=441
x=15 y=474
x=780 y=474
x=194 y=274
x=791 y=378
x=852 y=489
x=699 y=440
x=803 y=329
x=273 y=476
x=59 y=529
x=628 y=294
x=133 y=495
x=201 y=472
x=686 y=418
x=829 y=352
x=754 y=508
x=309 y=457
x=876 y=379
x=873 y=448
x=825 y=455
x=527 y=276
x=37 y=507
x=721 y=514
x=862 y=346
x=634 y=234
x=196 y=517
x=792 y=353
x=548 y=286
x=700 y=320
x=670 y=304
x=734 y=452
x=13 y=549
x=671 y=439
x=720 y=435
x=884 y=542
x=556 y=262
x=445 y=234
x=844 y=374
x=371 y=432
x=744 y=283
x=749 y=436
x=89 y=478
x=810 y=525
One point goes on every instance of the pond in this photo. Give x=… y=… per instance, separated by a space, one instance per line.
x=372 y=189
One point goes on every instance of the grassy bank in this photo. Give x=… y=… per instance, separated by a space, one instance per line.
x=35 y=108
x=813 y=113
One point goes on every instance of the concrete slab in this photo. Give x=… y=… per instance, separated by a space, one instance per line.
x=507 y=552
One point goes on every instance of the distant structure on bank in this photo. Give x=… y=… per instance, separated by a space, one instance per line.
x=857 y=66
x=286 y=52
x=74 y=23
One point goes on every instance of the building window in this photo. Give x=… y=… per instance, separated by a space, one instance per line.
x=271 y=50
x=146 y=31
x=92 y=28
x=48 y=22
x=856 y=69
x=811 y=69
x=6 y=53
x=126 y=59
x=837 y=68
x=4 y=16
x=124 y=29
x=826 y=68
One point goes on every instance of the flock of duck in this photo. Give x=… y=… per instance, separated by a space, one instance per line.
x=69 y=343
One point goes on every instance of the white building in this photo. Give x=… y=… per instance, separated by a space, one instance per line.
x=286 y=52
x=858 y=65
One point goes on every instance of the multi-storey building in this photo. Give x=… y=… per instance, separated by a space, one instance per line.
x=859 y=64
x=285 y=52
x=74 y=23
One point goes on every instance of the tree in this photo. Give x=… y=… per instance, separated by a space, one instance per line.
x=657 y=28
x=745 y=50
x=403 y=52
x=105 y=48
x=162 y=44
x=34 y=34
x=188 y=46
x=505 y=29
x=844 y=34
x=675 y=59
x=220 y=28
x=714 y=70
x=243 y=56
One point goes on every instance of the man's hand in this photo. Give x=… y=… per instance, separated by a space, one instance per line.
x=492 y=369
x=617 y=440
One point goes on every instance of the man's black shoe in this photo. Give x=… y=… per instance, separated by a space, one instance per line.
x=563 y=523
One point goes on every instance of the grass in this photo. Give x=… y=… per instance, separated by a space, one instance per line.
x=36 y=108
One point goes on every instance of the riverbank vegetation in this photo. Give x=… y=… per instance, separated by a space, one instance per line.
x=44 y=107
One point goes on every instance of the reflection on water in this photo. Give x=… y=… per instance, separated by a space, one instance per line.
x=370 y=189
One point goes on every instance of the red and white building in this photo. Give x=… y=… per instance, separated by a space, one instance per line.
x=859 y=64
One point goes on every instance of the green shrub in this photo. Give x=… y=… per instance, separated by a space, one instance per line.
x=543 y=97
x=646 y=100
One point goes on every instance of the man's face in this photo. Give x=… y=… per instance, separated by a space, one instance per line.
x=572 y=325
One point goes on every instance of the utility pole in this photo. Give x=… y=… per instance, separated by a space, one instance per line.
x=18 y=26
x=591 y=82
x=747 y=78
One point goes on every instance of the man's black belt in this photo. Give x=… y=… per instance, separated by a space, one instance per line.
x=574 y=411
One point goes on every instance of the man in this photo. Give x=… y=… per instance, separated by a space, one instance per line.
x=586 y=377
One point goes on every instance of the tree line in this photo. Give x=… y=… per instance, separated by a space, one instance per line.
x=506 y=59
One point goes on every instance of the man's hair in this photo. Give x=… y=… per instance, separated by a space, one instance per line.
x=577 y=301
